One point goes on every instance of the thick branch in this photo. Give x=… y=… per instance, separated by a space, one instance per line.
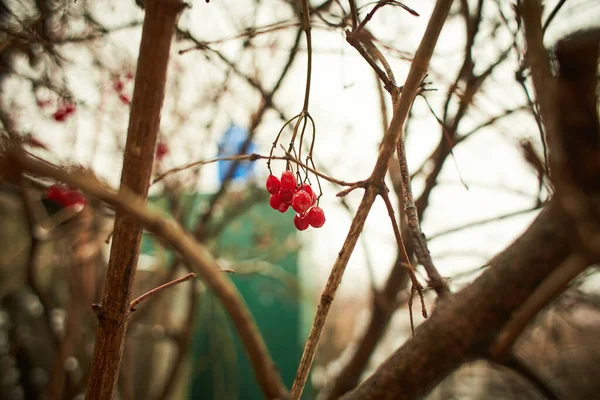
x=148 y=96
x=463 y=325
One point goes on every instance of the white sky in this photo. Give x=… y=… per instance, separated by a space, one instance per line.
x=345 y=106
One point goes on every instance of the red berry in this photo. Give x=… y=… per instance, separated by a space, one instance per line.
x=287 y=196
x=301 y=201
x=43 y=103
x=161 y=150
x=124 y=99
x=60 y=115
x=75 y=198
x=301 y=222
x=129 y=76
x=316 y=217
x=306 y=187
x=57 y=193
x=288 y=181
x=69 y=108
x=276 y=203
x=273 y=184
x=118 y=85
x=65 y=197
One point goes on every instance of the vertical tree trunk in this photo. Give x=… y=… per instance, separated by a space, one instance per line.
x=148 y=95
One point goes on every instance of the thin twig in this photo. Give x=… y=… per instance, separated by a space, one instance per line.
x=421 y=250
x=156 y=290
x=484 y=221
x=253 y=157
x=416 y=285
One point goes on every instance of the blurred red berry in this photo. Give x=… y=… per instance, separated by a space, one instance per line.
x=124 y=99
x=60 y=115
x=118 y=85
x=301 y=201
x=301 y=222
x=66 y=197
x=43 y=103
x=75 y=198
x=276 y=203
x=316 y=217
x=57 y=193
x=273 y=184
x=69 y=108
x=129 y=76
x=288 y=181
x=161 y=150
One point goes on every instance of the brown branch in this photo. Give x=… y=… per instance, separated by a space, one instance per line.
x=147 y=101
x=156 y=290
x=418 y=238
x=388 y=144
x=464 y=324
x=569 y=111
x=526 y=372
x=416 y=285
x=183 y=339
x=385 y=301
x=550 y=287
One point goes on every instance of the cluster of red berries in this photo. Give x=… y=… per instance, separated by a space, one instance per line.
x=63 y=112
x=66 y=197
x=119 y=87
x=285 y=192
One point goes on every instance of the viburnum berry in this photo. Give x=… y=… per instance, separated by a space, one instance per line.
x=301 y=201
x=57 y=193
x=288 y=181
x=43 y=103
x=65 y=197
x=124 y=99
x=118 y=85
x=60 y=115
x=276 y=203
x=301 y=222
x=316 y=217
x=161 y=150
x=308 y=189
x=273 y=184
x=69 y=108
x=287 y=196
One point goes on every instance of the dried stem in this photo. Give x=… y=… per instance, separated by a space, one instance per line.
x=420 y=243
x=416 y=285
x=254 y=157
x=156 y=290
